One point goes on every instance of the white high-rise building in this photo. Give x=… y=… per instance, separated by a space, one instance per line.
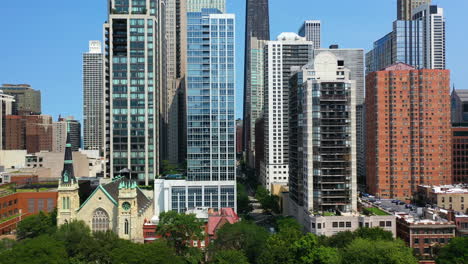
x=434 y=33
x=280 y=55
x=92 y=98
x=312 y=30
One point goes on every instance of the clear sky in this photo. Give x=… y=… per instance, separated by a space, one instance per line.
x=42 y=41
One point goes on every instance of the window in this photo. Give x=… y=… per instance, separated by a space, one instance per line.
x=31 y=205
x=341 y=224
x=100 y=220
x=126 y=227
x=319 y=226
x=335 y=224
x=389 y=223
x=348 y=224
x=416 y=241
x=382 y=223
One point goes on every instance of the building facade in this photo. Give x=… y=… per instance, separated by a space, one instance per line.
x=134 y=63
x=312 y=31
x=460 y=153
x=408 y=130
x=322 y=162
x=59 y=134
x=287 y=51
x=257 y=31
x=173 y=102
x=27 y=100
x=6 y=108
x=93 y=93
x=255 y=88
x=30 y=132
x=459 y=106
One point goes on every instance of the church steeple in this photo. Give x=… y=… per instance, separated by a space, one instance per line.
x=68 y=175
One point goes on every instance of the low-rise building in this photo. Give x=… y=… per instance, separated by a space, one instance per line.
x=331 y=225
x=451 y=197
x=461 y=221
x=13 y=159
x=212 y=221
x=424 y=235
x=15 y=205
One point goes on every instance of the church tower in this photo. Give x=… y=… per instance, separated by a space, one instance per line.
x=68 y=198
x=128 y=210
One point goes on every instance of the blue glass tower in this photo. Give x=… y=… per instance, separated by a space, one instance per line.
x=211 y=106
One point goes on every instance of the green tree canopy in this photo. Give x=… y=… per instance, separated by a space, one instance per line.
x=157 y=252
x=179 y=229
x=363 y=251
x=36 y=225
x=243 y=236
x=229 y=257
x=456 y=252
x=243 y=202
x=40 y=250
x=73 y=235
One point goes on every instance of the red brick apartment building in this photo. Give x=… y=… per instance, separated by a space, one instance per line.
x=408 y=130
x=423 y=236
x=460 y=154
x=16 y=206
x=33 y=133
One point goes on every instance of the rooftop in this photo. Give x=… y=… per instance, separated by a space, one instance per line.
x=462 y=93
x=448 y=189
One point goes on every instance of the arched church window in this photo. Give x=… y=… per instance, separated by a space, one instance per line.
x=126 y=227
x=100 y=220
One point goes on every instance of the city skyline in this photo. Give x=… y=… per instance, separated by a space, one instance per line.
x=24 y=66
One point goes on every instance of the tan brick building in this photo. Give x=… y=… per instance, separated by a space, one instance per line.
x=450 y=197
x=408 y=130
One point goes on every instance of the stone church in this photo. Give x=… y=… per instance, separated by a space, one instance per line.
x=119 y=206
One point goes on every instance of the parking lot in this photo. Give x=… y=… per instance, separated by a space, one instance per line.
x=388 y=206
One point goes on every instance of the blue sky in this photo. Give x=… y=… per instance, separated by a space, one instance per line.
x=42 y=41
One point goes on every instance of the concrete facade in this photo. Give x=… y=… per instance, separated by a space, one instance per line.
x=13 y=159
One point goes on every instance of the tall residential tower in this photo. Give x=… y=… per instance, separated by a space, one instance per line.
x=93 y=92
x=133 y=80
x=312 y=30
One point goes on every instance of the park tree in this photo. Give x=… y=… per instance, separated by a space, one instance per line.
x=374 y=233
x=309 y=251
x=242 y=236
x=377 y=252
x=39 y=250
x=156 y=252
x=35 y=225
x=456 y=252
x=179 y=229
x=229 y=257
x=73 y=235
x=243 y=202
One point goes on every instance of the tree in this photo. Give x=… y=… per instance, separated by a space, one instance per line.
x=242 y=236
x=375 y=233
x=35 y=225
x=377 y=252
x=98 y=247
x=243 y=202
x=456 y=252
x=229 y=257
x=42 y=249
x=340 y=240
x=309 y=251
x=156 y=252
x=73 y=235
x=6 y=244
x=268 y=201
x=180 y=229
x=168 y=168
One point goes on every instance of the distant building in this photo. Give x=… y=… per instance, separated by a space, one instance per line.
x=450 y=197
x=287 y=51
x=27 y=100
x=93 y=92
x=239 y=130
x=13 y=159
x=312 y=30
x=61 y=128
x=198 y=5
x=405 y=8
x=424 y=236
x=460 y=153
x=419 y=41
x=459 y=106
x=30 y=132
x=6 y=108
x=408 y=130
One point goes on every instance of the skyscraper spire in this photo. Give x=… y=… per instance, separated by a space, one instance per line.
x=68 y=175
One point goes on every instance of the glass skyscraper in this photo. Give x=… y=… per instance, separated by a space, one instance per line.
x=133 y=73
x=210 y=106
